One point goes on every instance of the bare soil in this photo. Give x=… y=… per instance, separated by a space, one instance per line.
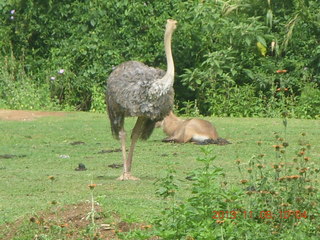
x=74 y=221
x=23 y=115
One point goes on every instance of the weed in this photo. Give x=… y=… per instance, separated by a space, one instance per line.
x=272 y=200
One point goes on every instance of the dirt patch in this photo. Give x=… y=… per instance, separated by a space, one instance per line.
x=22 y=115
x=72 y=222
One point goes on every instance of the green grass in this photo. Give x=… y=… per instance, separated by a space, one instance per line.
x=25 y=188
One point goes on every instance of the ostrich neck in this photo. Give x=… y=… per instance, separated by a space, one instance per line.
x=170 y=65
x=163 y=85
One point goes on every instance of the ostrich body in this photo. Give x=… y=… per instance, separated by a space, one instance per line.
x=136 y=90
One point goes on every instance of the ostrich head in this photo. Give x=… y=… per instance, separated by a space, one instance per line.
x=171 y=25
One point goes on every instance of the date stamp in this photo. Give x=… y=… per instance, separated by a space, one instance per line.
x=288 y=214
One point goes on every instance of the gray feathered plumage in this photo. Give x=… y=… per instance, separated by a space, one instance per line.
x=130 y=93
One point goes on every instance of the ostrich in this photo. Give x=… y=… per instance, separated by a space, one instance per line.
x=136 y=90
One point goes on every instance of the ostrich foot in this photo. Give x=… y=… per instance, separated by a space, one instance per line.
x=127 y=176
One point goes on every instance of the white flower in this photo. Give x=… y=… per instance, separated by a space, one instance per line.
x=53 y=78
x=12 y=11
x=12 y=17
x=61 y=71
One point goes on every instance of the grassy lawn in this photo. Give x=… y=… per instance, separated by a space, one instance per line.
x=43 y=148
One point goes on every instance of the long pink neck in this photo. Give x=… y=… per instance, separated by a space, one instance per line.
x=163 y=85
x=170 y=64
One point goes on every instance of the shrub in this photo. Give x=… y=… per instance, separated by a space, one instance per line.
x=219 y=45
x=309 y=102
x=98 y=103
x=276 y=198
x=18 y=91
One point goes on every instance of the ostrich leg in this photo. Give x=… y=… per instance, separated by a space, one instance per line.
x=136 y=132
x=122 y=136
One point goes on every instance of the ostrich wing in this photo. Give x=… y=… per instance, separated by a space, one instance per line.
x=127 y=91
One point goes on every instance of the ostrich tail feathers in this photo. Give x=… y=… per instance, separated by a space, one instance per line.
x=147 y=129
x=116 y=123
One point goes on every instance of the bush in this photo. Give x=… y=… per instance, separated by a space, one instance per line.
x=18 y=91
x=309 y=102
x=277 y=200
x=218 y=45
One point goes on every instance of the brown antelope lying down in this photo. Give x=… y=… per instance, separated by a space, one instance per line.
x=191 y=130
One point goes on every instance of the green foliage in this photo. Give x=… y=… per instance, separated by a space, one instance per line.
x=309 y=102
x=240 y=49
x=276 y=201
x=18 y=91
x=223 y=50
x=98 y=103
x=167 y=186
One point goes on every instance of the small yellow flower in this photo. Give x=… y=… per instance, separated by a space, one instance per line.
x=64 y=225
x=220 y=222
x=306 y=159
x=92 y=186
x=282 y=71
x=295 y=176
x=244 y=181
x=277 y=147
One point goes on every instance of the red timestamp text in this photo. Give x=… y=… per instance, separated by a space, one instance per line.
x=281 y=214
